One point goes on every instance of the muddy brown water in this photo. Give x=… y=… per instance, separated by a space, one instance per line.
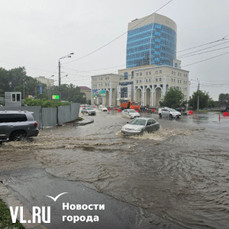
x=180 y=173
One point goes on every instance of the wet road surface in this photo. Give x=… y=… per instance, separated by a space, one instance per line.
x=176 y=177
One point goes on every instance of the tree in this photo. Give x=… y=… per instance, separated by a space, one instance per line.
x=224 y=99
x=173 y=98
x=204 y=100
x=16 y=80
x=70 y=93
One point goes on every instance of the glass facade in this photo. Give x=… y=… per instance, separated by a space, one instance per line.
x=151 y=44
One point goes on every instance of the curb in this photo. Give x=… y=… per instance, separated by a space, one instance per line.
x=84 y=122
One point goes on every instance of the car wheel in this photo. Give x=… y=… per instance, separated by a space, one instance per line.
x=178 y=117
x=170 y=116
x=18 y=135
x=160 y=116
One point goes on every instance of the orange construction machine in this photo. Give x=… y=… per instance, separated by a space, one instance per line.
x=130 y=105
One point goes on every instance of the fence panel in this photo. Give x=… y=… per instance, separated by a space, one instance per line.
x=64 y=114
x=75 y=107
x=47 y=116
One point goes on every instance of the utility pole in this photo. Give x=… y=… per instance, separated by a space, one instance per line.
x=198 y=96
x=59 y=73
x=59 y=70
x=59 y=66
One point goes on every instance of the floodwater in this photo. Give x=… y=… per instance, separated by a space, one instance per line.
x=179 y=174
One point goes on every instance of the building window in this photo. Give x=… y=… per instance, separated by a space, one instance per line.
x=149 y=73
x=160 y=71
x=137 y=74
x=125 y=75
x=140 y=74
x=124 y=92
x=156 y=72
x=132 y=74
x=159 y=79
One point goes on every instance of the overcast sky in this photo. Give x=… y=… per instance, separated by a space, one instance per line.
x=35 y=34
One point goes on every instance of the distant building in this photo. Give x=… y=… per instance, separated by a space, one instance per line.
x=151 y=66
x=147 y=85
x=104 y=89
x=86 y=91
x=151 y=40
x=48 y=82
x=13 y=99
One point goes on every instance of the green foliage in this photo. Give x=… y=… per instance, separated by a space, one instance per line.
x=5 y=218
x=69 y=92
x=44 y=102
x=173 y=98
x=17 y=80
x=224 y=99
x=204 y=100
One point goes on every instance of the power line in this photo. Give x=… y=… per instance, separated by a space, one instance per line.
x=94 y=70
x=206 y=59
x=116 y=38
x=211 y=42
x=199 y=53
x=193 y=52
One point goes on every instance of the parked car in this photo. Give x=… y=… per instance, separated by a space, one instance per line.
x=83 y=105
x=139 y=125
x=168 y=113
x=17 y=125
x=130 y=113
x=102 y=108
x=88 y=110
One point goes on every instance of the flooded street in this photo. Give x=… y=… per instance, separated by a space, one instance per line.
x=177 y=176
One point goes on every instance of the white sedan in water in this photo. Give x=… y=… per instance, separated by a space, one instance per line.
x=130 y=113
x=168 y=112
x=139 y=125
x=102 y=108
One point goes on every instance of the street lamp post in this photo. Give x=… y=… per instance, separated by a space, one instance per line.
x=59 y=66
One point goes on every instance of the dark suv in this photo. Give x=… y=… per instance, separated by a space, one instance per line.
x=16 y=125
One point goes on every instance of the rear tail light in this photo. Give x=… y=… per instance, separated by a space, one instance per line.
x=36 y=124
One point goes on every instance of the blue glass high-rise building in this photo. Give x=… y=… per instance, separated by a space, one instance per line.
x=151 y=41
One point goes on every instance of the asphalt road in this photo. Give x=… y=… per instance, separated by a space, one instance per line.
x=161 y=180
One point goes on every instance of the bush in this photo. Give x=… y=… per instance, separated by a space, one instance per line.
x=5 y=218
x=44 y=103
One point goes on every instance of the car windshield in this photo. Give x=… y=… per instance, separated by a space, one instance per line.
x=173 y=110
x=138 y=121
x=132 y=111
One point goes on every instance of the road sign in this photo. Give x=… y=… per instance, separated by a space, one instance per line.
x=40 y=88
x=55 y=97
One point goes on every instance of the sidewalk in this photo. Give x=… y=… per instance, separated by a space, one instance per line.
x=85 y=120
